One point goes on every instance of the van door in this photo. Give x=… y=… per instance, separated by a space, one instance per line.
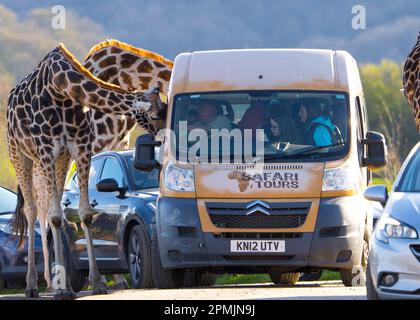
x=361 y=134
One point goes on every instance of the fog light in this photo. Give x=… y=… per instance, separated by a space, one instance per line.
x=389 y=279
x=344 y=256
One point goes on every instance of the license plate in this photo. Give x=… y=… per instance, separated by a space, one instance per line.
x=257 y=246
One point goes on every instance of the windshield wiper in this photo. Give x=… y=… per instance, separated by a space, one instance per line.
x=303 y=152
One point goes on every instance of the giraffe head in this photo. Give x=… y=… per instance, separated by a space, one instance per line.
x=148 y=107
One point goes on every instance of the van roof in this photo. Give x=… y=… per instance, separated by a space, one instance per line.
x=264 y=69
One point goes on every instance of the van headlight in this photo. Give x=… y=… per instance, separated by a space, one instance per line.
x=178 y=179
x=338 y=179
x=389 y=227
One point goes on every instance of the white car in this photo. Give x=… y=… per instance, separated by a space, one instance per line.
x=393 y=270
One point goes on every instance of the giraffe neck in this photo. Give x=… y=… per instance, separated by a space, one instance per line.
x=76 y=82
x=129 y=67
x=411 y=71
x=132 y=69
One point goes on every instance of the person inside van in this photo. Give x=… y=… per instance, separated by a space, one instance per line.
x=210 y=116
x=318 y=129
x=281 y=129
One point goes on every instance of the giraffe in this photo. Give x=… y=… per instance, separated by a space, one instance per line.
x=47 y=125
x=411 y=80
x=131 y=69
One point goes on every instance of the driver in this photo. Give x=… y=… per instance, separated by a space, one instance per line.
x=209 y=117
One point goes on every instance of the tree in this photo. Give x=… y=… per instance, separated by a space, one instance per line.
x=389 y=111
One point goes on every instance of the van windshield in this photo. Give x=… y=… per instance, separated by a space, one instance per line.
x=262 y=125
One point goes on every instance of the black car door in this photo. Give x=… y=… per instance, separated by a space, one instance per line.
x=108 y=212
x=70 y=204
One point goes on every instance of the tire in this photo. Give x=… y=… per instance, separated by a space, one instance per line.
x=139 y=258
x=370 y=288
x=205 y=279
x=285 y=278
x=165 y=278
x=358 y=273
x=76 y=277
x=316 y=276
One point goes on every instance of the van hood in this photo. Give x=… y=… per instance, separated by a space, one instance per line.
x=289 y=180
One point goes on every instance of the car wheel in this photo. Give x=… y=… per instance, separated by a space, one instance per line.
x=284 y=278
x=370 y=288
x=165 y=278
x=139 y=259
x=76 y=277
x=315 y=276
x=356 y=276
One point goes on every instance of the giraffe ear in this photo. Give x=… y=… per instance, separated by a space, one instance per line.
x=153 y=90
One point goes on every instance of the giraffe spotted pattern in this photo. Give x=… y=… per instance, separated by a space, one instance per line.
x=47 y=126
x=411 y=81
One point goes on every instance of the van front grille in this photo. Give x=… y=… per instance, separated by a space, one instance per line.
x=258 y=214
x=259 y=235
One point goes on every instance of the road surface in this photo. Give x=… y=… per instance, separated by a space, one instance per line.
x=321 y=290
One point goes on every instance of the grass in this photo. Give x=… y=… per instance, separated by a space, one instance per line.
x=387 y=183
x=227 y=279
x=330 y=275
x=242 y=279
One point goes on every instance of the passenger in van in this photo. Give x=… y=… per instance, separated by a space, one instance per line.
x=281 y=129
x=253 y=117
x=318 y=129
x=210 y=117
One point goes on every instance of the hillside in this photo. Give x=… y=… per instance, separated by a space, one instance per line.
x=170 y=27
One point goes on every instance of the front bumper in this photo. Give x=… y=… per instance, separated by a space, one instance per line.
x=396 y=257
x=335 y=243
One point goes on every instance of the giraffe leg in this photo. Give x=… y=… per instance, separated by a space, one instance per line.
x=86 y=216
x=60 y=283
x=42 y=209
x=23 y=166
x=119 y=282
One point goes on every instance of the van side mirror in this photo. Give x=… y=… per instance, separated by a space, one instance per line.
x=144 y=155
x=377 y=193
x=377 y=153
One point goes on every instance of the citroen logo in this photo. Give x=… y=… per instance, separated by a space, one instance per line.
x=258 y=206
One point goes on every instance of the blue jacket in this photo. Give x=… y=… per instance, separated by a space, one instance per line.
x=321 y=135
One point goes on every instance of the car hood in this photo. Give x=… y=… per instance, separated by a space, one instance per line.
x=405 y=207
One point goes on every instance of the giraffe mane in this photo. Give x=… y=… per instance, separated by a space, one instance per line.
x=79 y=67
x=125 y=46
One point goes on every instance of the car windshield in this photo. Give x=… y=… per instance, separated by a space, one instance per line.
x=269 y=125
x=142 y=179
x=410 y=181
x=8 y=201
